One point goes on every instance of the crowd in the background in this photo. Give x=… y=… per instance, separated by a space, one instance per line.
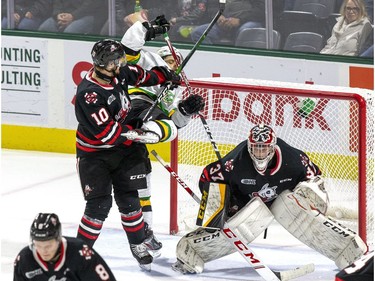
x=339 y=27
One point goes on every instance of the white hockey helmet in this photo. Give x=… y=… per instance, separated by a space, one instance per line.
x=261 y=145
x=165 y=51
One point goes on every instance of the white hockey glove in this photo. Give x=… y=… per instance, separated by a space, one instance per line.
x=313 y=190
x=142 y=136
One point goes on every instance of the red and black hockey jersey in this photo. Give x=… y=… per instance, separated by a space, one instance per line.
x=77 y=261
x=101 y=109
x=288 y=167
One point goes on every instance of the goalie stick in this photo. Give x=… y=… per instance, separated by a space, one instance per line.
x=263 y=270
x=204 y=122
x=185 y=61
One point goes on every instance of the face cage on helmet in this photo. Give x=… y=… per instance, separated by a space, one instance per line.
x=120 y=62
x=261 y=164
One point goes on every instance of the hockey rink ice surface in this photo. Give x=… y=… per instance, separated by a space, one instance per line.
x=33 y=182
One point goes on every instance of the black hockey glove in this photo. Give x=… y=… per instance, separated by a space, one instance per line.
x=173 y=79
x=156 y=27
x=162 y=22
x=191 y=105
x=135 y=123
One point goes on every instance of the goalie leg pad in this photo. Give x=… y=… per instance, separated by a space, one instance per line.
x=201 y=246
x=251 y=220
x=314 y=191
x=317 y=231
x=204 y=245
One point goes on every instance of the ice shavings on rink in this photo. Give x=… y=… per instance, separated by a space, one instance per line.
x=34 y=182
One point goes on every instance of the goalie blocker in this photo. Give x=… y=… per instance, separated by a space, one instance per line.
x=299 y=212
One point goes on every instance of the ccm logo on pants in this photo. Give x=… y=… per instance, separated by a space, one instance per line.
x=137 y=177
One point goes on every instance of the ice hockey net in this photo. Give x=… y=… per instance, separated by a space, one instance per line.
x=338 y=136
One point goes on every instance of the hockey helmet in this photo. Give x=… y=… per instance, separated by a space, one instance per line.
x=261 y=145
x=108 y=51
x=45 y=227
x=165 y=51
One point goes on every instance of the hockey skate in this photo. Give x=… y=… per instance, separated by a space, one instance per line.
x=153 y=245
x=141 y=254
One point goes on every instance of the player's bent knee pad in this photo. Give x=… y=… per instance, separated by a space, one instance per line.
x=127 y=202
x=251 y=220
x=99 y=207
x=321 y=233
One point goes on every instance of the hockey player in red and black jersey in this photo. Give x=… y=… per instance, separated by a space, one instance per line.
x=261 y=179
x=51 y=256
x=108 y=155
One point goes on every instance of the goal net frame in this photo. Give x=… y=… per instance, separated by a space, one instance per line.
x=300 y=91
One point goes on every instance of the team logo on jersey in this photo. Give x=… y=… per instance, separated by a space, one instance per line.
x=86 y=252
x=91 y=97
x=229 y=165
x=32 y=274
x=248 y=181
x=111 y=99
x=267 y=193
x=87 y=190
x=125 y=107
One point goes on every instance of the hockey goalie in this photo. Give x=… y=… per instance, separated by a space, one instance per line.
x=263 y=178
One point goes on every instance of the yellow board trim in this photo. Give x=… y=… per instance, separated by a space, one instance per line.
x=53 y=140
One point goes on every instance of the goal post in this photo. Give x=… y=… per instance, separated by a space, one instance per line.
x=338 y=136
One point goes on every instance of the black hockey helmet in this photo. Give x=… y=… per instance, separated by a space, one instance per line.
x=107 y=51
x=45 y=227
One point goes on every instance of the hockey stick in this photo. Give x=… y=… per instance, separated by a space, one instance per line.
x=173 y=173
x=185 y=61
x=263 y=270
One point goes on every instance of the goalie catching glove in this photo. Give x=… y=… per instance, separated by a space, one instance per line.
x=191 y=105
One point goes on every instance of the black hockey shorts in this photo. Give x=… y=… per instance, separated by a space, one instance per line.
x=124 y=174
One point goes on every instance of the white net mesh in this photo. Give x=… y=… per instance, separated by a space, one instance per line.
x=330 y=136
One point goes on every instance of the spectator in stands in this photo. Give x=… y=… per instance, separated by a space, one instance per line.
x=238 y=14
x=151 y=9
x=122 y=9
x=351 y=30
x=72 y=16
x=127 y=13
x=28 y=15
x=370 y=10
x=190 y=15
x=368 y=47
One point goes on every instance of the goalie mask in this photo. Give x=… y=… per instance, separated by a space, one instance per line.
x=261 y=145
x=45 y=227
